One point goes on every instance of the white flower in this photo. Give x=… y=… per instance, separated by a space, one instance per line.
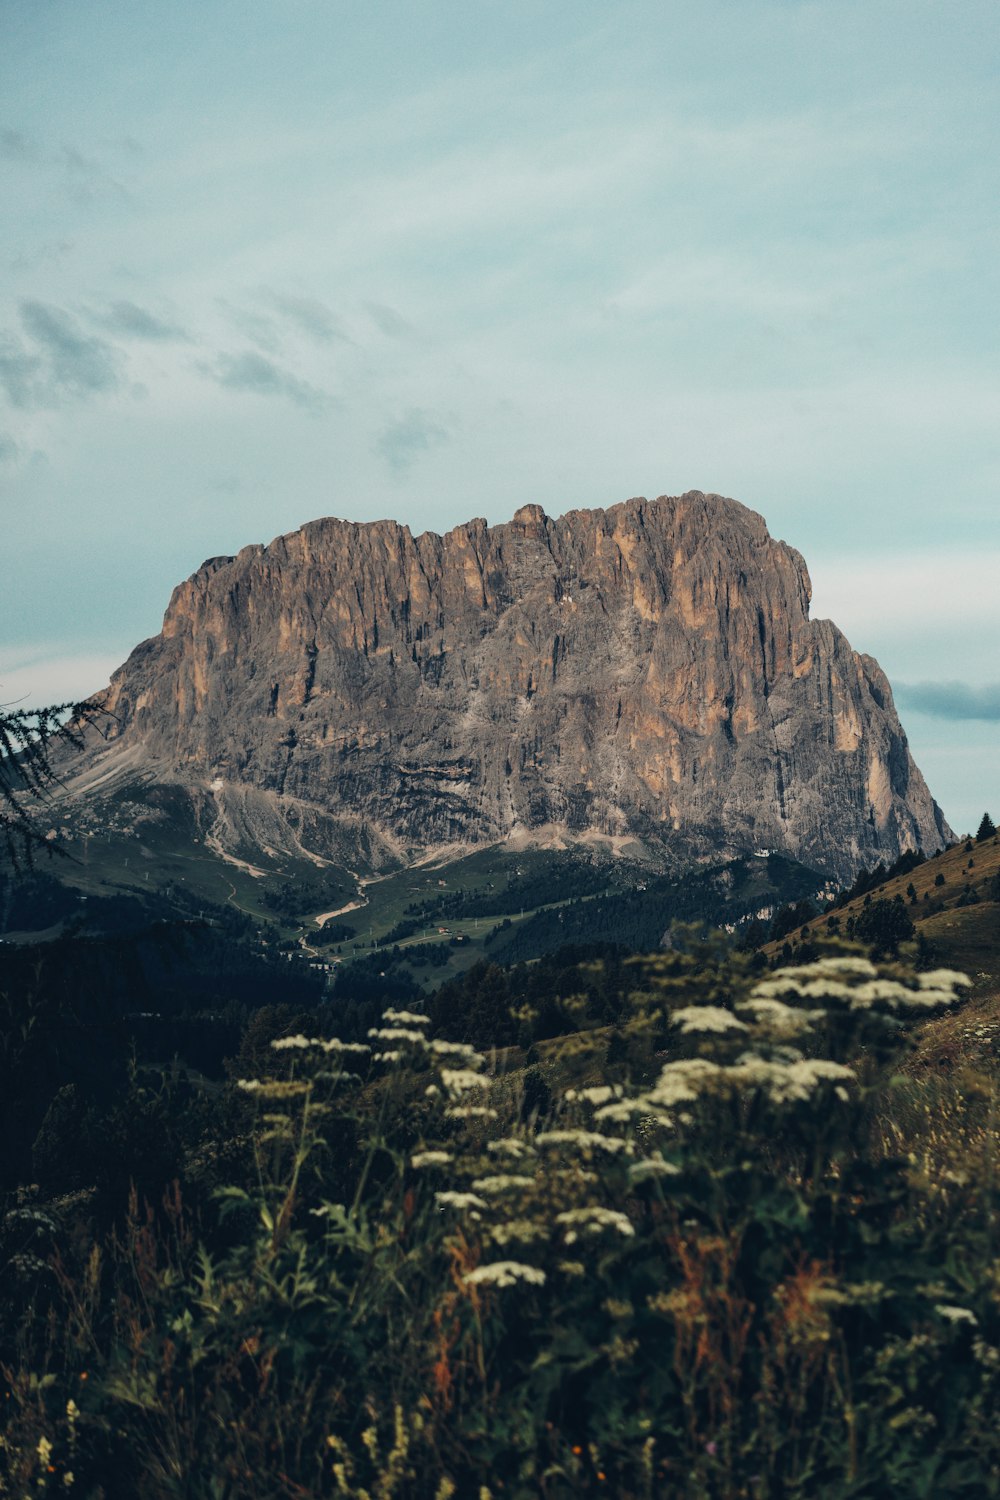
x=387 y=1057
x=520 y=1231
x=470 y=1112
x=786 y=1082
x=283 y=1043
x=504 y=1273
x=600 y=1094
x=956 y=1314
x=586 y=1140
x=431 y=1159
x=336 y=1045
x=592 y=1220
x=680 y=1082
x=625 y=1109
x=930 y=999
x=888 y=991
x=508 y=1145
x=694 y=1018
x=458 y=1200
x=788 y=1019
x=405 y=1018
x=457 y=1049
x=944 y=979
x=501 y=1183
x=861 y=966
x=651 y=1166
x=825 y=989
x=397 y=1034
x=249 y=1085
x=460 y=1080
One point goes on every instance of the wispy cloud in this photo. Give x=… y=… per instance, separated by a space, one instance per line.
x=308 y=315
x=255 y=326
x=49 y=252
x=388 y=321
x=63 y=360
x=951 y=700
x=15 y=146
x=19 y=372
x=75 y=362
x=139 y=323
x=86 y=179
x=402 y=441
x=258 y=376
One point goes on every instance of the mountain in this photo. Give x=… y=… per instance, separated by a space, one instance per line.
x=646 y=674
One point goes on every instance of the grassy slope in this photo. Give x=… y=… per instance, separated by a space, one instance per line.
x=963 y=937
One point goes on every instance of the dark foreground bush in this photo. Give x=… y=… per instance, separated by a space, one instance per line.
x=717 y=1285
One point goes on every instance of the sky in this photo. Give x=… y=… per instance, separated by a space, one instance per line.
x=263 y=262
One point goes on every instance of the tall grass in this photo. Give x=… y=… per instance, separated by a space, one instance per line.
x=745 y=1274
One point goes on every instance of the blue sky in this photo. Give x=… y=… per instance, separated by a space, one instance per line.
x=264 y=262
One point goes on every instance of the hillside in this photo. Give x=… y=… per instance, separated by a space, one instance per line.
x=953 y=900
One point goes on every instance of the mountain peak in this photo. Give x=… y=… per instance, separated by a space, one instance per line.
x=648 y=672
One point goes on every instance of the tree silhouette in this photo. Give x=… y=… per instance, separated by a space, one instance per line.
x=987 y=828
x=884 y=924
x=27 y=738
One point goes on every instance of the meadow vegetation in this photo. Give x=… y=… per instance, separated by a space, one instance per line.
x=730 y=1237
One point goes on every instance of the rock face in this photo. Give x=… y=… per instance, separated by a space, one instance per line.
x=648 y=671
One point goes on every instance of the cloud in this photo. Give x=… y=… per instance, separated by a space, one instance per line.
x=262 y=377
x=19 y=373
x=58 y=360
x=54 y=672
x=52 y=250
x=388 y=321
x=138 y=323
x=226 y=484
x=260 y=330
x=950 y=700
x=402 y=441
x=64 y=361
x=87 y=181
x=14 y=146
x=309 y=316
x=10 y=451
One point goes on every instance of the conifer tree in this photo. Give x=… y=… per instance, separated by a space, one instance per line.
x=27 y=737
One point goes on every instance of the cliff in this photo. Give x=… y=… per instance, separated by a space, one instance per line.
x=649 y=671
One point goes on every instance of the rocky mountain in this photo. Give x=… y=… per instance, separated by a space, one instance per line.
x=647 y=673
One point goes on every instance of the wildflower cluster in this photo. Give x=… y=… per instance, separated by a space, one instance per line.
x=703 y=1281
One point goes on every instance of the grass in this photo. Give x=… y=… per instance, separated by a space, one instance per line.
x=963 y=937
x=737 y=1280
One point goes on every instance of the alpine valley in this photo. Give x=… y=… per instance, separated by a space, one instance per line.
x=575 y=727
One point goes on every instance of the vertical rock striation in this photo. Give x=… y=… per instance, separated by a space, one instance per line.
x=648 y=671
